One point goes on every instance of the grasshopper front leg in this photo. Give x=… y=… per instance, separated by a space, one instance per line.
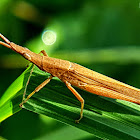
x=39 y=87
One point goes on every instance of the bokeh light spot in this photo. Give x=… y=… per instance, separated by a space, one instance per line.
x=49 y=37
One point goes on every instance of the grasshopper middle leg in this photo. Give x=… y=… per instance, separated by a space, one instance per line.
x=36 y=90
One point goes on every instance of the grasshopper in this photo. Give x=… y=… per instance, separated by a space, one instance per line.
x=76 y=75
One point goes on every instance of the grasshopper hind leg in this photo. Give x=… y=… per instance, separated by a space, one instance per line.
x=78 y=96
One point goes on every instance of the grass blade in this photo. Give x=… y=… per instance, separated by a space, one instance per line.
x=103 y=117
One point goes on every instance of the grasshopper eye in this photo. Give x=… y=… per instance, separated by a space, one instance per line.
x=27 y=56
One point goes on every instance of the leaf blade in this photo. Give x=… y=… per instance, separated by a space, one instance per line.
x=103 y=117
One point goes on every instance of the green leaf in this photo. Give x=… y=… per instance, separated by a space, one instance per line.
x=9 y=102
x=105 y=118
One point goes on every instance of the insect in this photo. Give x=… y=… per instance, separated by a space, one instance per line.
x=76 y=75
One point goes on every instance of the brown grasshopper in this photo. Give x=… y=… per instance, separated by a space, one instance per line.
x=76 y=75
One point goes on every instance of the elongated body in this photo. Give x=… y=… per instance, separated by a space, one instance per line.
x=76 y=75
x=89 y=80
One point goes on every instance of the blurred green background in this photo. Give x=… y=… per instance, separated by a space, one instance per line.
x=103 y=35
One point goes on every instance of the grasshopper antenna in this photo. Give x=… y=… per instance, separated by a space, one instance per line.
x=6 y=43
